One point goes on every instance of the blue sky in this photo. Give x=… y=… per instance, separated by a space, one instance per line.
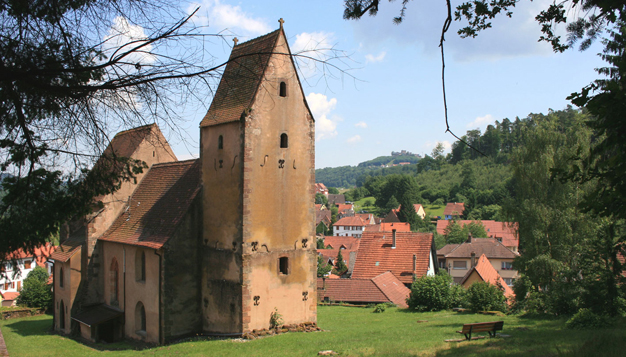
x=391 y=97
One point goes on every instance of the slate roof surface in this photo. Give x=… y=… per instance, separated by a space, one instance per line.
x=158 y=205
x=447 y=249
x=488 y=274
x=324 y=215
x=376 y=255
x=241 y=79
x=350 y=221
x=454 y=209
x=336 y=199
x=67 y=249
x=488 y=246
x=504 y=231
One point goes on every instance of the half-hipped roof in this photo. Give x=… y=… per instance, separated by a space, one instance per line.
x=492 y=248
x=157 y=206
x=382 y=288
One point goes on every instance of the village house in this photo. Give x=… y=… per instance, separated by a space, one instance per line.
x=321 y=188
x=212 y=245
x=15 y=269
x=454 y=210
x=483 y=270
x=388 y=227
x=336 y=199
x=407 y=255
x=392 y=216
x=379 y=289
x=458 y=259
x=349 y=226
x=504 y=232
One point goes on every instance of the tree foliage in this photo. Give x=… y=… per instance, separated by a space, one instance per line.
x=483 y=296
x=340 y=265
x=36 y=292
x=323 y=268
x=433 y=293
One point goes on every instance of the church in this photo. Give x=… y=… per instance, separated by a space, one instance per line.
x=215 y=245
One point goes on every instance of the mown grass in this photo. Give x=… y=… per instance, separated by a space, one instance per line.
x=351 y=331
x=434 y=210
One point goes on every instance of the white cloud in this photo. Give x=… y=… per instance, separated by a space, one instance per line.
x=223 y=16
x=353 y=140
x=124 y=36
x=373 y=59
x=317 y=45
x=480 y=121
x=361 y=124
x=325 y=124
x=430 y=145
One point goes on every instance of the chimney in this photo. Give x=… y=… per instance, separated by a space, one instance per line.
x=469 y=238
x=393 y=242
x=473 y=259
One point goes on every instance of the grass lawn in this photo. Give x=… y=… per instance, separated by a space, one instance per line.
x=362 y=204
x=434 y=210
x=352 y=331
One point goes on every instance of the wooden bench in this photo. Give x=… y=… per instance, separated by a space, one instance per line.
x=490 y=327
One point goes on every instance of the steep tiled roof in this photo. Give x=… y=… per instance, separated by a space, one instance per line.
x=376 y=255
x=488 y=274
x=503 y=231
x=348 y=242
x=447 y=249
x=324 y=215
x=350 y=290
x=393 y=288
x=344 y=207
x=126 y=142
x=398 y=226
x=488 y=246
x=368 y=218
x=332 y=254
x=158 y=205
x=350 y=221
x=241 y=79
x=41 y=254
x=67 y=249
x=10 y=295
x=454 y=209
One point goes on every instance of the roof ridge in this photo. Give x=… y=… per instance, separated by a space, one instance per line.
x=252 y=41
x=127 y=131
x=176 y=163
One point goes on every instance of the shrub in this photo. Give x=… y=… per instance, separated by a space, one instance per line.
x=585 y=318
x=276 y=319
x=36 y=292
x=390 y=304
x=458 y=296
x=380 y=308
x=430 y=293
x=483 y=296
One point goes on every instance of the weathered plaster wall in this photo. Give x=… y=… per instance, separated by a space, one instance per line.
x=182 y=278
x=67 y=293
x=222 y=177
x=279 y=186
x=131 y=290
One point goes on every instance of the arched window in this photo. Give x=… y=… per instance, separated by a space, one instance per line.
x=284 y=141
x=60 y=277
x=140 y=265
x=114 y=274
x=283 y=89
x=220 y=142
x=62 y=316
x=140 y=319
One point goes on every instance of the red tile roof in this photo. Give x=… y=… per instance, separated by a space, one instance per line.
x=350 y=221
x=332 y=254
x=158 y=205
x=336 y=242
x=382 y=288
x=324 y=216
x=488 y=246
x=241 y=79
x=454 y=209
x=67 y=249
x=344 y=207
x=506 y=232
x=10 y=295
x=368 y=218
x=376 y=255
x=41 y=254
x=489 y=274
x=398 y=226
x=393 y=288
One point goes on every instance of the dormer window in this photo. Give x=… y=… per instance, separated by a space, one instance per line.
x=220 y=142
x=284 y=141
x=283 y=89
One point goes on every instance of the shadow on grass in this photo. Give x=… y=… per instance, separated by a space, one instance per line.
x=30 y=327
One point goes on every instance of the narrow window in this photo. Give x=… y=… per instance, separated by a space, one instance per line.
x=60 y=277
x=283 y=265
x=140 y=265
x=140 y=319
x=283 y=89
x=220 y=142
x=27 y=264
x=62 y=316
x=284 y=141
x=114 y=276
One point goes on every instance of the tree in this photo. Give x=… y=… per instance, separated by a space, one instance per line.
x=320 y=199
x=392 y=203
x=407 y=214
x=36 y=292
x=483 y=296
x=340 y=265
x=333 y=190
x=323 y=268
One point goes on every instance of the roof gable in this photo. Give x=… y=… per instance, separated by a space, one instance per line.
x=488 y=274
x=157 y=206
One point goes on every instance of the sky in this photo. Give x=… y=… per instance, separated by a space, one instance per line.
x=389 y=95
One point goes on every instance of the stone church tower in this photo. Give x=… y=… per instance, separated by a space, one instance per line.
x=258 y=175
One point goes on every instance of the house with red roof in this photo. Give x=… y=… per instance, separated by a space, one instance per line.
x=21 y=262
x=454 y=210
x=206 y=245
x=483 y=270
x=321 y=188
x=349 y=226
x=379 y=289
x=457 y=258
x=393 y=215
x=407 y=255
x=504 y=232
